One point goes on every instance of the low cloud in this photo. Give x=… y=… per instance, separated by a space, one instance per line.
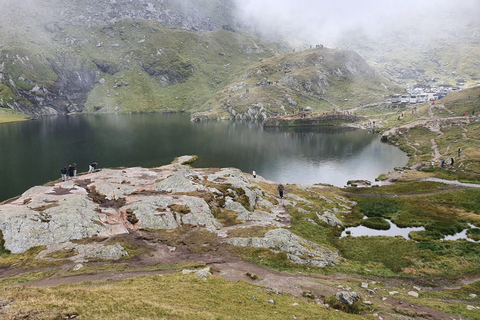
x=324 y=21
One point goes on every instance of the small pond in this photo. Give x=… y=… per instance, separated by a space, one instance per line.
x=394 y=231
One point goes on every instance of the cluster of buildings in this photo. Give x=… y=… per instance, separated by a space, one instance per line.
x=420 y=95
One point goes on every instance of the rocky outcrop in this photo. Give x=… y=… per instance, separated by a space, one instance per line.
x=298 y=249
x=112 y=202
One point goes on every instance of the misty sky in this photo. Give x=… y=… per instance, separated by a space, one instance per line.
x=322 y=21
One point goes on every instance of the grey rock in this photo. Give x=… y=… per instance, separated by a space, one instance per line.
x=109 y=252
x=77 y=267
x=347 y=297
x=73 y=218
x=298 y=250
x=330 y=219
x=179 y=182
x=154 y=212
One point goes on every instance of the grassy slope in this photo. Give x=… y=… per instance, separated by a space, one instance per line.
x=189 y=67
x=167 y=297
x=186 y=69
x=316 y=78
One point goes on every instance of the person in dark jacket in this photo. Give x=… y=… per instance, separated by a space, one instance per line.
x=64 y=173
x=70 y=171
x=92 y=167
x=280 y=190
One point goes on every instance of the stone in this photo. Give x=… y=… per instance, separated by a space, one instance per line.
x=179 y=182
x=203 y=273
x=364 y=285
x=392 y=293
x=65 y=218
x=329 y=218
x=473 y=295
x=77 y=267
x=298 y=250
x=368 y=303
x=347 y=297
x=110 y=252
x=413 y=294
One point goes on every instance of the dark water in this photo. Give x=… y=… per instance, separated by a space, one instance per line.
x=32 y=153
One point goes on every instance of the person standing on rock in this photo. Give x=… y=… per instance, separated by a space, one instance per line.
x=92 y=167
x=74 y=170
x=70 y=171
x=254 y=174
x=280 y=190
x=459 y=151
x=64 y=173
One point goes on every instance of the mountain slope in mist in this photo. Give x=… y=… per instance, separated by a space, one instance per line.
x=139 y=56
x=434 y=49
x=324 y=79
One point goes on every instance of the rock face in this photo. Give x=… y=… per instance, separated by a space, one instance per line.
x=298 y=249
x=113 y=202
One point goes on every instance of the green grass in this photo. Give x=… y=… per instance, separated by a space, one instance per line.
x=173 y=296
x=376 y=223
x=26 y=277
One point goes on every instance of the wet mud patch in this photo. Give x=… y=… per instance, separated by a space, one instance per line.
x=103 y=201
x=59 y=191
x=83 y=183
x=149 y=193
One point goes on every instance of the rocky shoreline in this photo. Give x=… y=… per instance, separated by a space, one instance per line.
x=112 y=202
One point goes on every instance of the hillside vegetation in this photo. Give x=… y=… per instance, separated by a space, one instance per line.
x=323 y=79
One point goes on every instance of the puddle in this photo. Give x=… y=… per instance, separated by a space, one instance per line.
x=392 y=232
x=396 y=231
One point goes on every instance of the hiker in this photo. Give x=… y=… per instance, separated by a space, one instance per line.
x=70 y=171
x=280 y=190
x=92 y=167
x=443 y=163
x=254 y=174
x=64 y=173
x=459 y=151
x=452 y=161
x=74 y=165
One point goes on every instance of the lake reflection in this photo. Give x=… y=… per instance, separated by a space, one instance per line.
x=33 y=152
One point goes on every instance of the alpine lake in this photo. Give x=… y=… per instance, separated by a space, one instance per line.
x=33 y=152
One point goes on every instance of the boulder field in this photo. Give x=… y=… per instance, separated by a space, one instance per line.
x=111 y=202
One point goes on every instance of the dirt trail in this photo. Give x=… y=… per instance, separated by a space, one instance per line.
x=230 y=268
x=434 y=124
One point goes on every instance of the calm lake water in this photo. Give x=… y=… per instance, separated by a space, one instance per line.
x=33 y=152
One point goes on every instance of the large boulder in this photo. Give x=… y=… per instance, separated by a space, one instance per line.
x=298 y=250
x=73 y=217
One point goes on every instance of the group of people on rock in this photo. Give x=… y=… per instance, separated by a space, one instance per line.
x=71 y=171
